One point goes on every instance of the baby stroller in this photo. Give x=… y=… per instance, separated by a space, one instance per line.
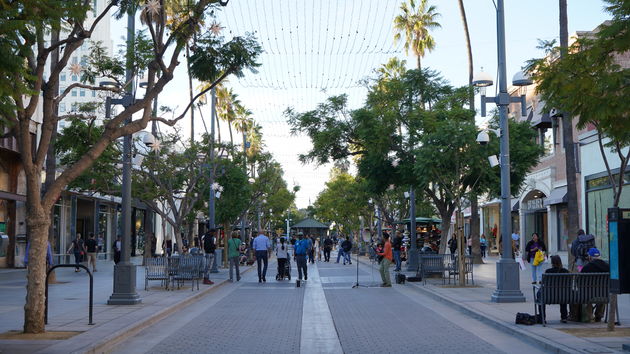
x=286 y=272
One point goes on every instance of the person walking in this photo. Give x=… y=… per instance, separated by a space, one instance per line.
x=328 y=243
x=234 y=245
x=346 y=245
x=533 y=246
x=262 y=245
x=340 y=252
x=452 y=244
x=318 y=249
x=595 y=265
x=77 y=247
x=580 y=247
x=117 y=247
x=386 y=262
x=396 y=246
x=311 y=251
x=282 y=253
x=469 y=245
x=209 y=246
x=301 y=248
x=483 y=244
x=91 y=246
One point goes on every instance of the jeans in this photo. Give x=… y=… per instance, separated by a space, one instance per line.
x=397 y=260
x=78 y=258
x=208 y=266
x=326 y=254
x=261 y=256
x=483 y=251
x=384 y=270
x=536 y=271
x=234 y=264
x=346 y=257
x=301 y=265
x=340 y=253
x=282 y=264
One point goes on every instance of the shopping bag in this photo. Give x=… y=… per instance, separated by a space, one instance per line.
x=521 y=263
x=539 y=258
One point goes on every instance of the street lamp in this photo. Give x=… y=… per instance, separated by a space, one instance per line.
x=508 y=289
x=379 y=226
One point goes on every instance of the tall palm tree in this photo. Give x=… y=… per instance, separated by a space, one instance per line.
x=415 y=23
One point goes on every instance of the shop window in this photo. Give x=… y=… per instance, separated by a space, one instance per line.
x=563 y=228
x=82 y=93
x=62 y=77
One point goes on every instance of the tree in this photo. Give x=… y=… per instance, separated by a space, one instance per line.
x=23 y=87
x=415 y=23
x=589 y=83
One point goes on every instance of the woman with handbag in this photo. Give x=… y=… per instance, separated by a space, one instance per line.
x=77 y=247
x=535 y=253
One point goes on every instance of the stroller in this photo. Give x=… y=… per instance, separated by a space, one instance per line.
x=286 y=272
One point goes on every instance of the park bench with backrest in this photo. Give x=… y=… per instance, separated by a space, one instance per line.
x=572 y=289
x=188 y=269
x=156 y=268
x=454 y=270
x=434 y=264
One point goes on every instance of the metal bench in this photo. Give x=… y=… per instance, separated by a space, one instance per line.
x=435 y=264
x=572 y=288
x=156 y=268
x=454 y=270
x=188 y=269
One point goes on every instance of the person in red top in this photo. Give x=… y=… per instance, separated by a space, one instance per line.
x=386 y=262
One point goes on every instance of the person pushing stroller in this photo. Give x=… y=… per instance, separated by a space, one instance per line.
x=282 y=253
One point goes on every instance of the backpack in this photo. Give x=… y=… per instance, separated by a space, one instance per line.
x=582 y=245
x=301 y=246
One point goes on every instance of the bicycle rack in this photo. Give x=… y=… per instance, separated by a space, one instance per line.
x=69 y=266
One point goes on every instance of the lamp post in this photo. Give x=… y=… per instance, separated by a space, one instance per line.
x=125 y=271
x=508 y=289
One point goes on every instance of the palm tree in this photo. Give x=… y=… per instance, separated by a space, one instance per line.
x=415 y=23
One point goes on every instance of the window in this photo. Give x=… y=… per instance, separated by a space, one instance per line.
x=62 y=107
x=93 y=93
x=75 y=78
x=545 y=139
x=74 y=107
x=62 y=77
x=83 y=59
x=74 y=92
x=75 y=60
x=82 y=93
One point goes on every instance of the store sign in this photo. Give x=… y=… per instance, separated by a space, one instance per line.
x=534 y=204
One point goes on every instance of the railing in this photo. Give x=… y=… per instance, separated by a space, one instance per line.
x=91 y=288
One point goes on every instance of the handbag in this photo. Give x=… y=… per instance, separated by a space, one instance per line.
x=539 y=258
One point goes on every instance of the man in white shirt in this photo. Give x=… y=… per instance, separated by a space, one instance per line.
x=262 y=245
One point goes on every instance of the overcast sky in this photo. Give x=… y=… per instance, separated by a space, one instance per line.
x=318 y=48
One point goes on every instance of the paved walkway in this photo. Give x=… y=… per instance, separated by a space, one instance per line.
x=325 y=315
x=475 y=301
x=68 y=308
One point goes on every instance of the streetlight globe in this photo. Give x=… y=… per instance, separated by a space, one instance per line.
x=521 y=79
x=482 y=79
x=148 y=139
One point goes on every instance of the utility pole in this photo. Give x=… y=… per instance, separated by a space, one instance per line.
x=212 y=165
x=412 y=263
x=125 y=271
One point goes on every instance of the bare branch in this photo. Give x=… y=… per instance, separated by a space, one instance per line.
x=89 y=87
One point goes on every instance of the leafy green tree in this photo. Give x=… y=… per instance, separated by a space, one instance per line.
x=25 y=51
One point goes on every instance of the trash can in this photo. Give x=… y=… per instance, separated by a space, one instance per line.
x=20 y=251
x=4 y=247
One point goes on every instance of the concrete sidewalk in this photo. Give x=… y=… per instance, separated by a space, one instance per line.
x=68 y=308
x=475 y=301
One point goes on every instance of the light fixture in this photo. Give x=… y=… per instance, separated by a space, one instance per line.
x=482 y=79
x=148 y=139
x=223 y=2
x=406 y=194
x=521 y=79
x=494 y=161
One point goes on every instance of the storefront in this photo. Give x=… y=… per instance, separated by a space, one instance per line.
x=534 y=217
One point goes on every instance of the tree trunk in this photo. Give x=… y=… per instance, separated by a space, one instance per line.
x=446 y=226
x=37 y=224
x=474 y=230
x=569 y=149
x=191 y=94
x=462 y=12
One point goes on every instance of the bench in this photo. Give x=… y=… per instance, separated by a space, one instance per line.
x=572 y=289
x=434 y=264
x=454 y=270
x=188 y=268
x=156 y=268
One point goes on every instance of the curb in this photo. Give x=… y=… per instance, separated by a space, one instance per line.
x=109 y=342
x=510 y=329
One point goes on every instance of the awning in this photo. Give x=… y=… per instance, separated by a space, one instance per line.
x=515 y=204
x=541 y=121
x=12 y=196
x=557 y=196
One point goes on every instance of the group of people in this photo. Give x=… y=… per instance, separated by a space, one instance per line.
x=85 y=251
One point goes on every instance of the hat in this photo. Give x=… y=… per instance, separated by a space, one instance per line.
x=515 y=237
x=594 y=252
x=300 y=234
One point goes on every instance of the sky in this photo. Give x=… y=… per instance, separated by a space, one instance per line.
x=318 y=48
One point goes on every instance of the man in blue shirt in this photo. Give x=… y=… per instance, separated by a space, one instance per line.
x=262 y=245
x=302 y=247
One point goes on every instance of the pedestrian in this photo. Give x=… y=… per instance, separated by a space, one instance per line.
x=301 y=249
x=101 y=243
x=469 y=245
x=282 y=253
x=117 y=247
x=515 y=243
x=49 y=257
x=346 y=245
x=452 y=244
x=556 y=267
x=209 y=246
x=311 y=251
x=483 y=244
x=91 y=247
x=340 y=252
x=533 y=246
x=580 y=247
x=396 y=246
x=167 y=246
x=262 y=246
x=318 y=249
x=234 y=245
x=386 y=262
x=328 y=243
x=595 y=265
x=77 y=247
